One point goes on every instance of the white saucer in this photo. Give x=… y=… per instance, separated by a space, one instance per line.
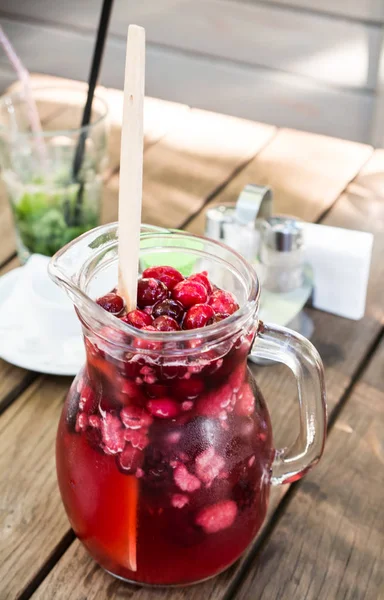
x=27 y=347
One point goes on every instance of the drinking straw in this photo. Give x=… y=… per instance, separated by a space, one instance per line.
x=130 y=195
x=24 y=77
x=92 y=82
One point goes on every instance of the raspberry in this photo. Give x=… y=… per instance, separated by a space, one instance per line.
x=112 y=434
x=245 y=404
x=135 y=417
x=236 y=378
x=136 y=438
x=213 y=403
x=87 y=401
x=81 y=422
x=217 y=517
x=179 y=500
x=208 y=465
x=185 y=480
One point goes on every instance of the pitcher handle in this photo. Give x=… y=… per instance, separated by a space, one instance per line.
x=290 y=348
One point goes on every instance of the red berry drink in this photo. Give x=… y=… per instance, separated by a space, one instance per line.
x=164 y=465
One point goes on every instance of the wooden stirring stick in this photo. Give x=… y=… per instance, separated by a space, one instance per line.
x=130 y=194
x=131 y=166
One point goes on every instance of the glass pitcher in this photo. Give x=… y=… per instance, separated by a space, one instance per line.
x=165 y=454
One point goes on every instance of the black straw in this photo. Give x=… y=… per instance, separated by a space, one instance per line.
x=92 y=82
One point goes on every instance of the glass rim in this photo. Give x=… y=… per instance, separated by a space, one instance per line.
x=7 y=99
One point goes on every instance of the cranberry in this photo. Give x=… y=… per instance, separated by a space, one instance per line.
x=165 y=323
x=130 y=459
x=202 y=278
x=217 y=318
x=167 y=275
x=87 y=402
x=169 y=308
x=148 y=344
x=156 y=390
x=150 y=291
x=223 y=302
x=163 y=408
x=111 y=303
x=198 y=316
x=189 y=293
x=217 y=516
x=188 y=389
x=137 y=318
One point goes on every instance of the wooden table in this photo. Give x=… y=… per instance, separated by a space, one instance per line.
x=324 y=535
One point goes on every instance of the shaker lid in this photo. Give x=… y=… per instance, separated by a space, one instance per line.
x=283 y=234
x=254 y=202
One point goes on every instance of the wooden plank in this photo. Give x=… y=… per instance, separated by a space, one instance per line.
x=243 y=33
x=32 y=519
x=190 y=163
x=254 y=92
x=306 y=172
x=343 y=345
x=330 y=541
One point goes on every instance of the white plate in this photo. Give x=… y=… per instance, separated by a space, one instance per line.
x=30 y=349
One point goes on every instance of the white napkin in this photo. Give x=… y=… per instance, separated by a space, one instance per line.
x=39 y=329
x=340 y=259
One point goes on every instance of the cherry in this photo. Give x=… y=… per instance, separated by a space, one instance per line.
x=198 y=316
x=189 y=293
x=150 y=291
x=165 y=323
x=163 y=408
x=168 y=308
x=202 y=278
x=188 y=389
x=112 y=303
x=223 y=302
x=137 y=318
x=167 y=275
